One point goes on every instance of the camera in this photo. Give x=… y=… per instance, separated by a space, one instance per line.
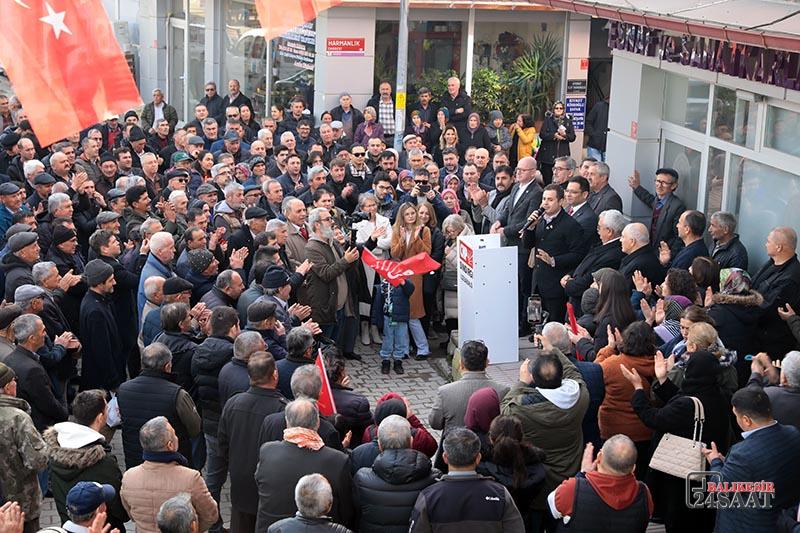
x=358 y=216
x=424 y=189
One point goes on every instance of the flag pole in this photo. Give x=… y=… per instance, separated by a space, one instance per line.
x=400 y=84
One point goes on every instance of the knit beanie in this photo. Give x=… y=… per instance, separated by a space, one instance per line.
x=96 y=272
x=6 y=375
x=199 y=260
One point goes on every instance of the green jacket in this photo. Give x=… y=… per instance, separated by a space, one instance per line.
x=91 y=462
x=556 y=430
x=23 y=455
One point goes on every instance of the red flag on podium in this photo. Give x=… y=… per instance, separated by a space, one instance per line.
x=279 y=16
x=64 y=64
x=325 y=402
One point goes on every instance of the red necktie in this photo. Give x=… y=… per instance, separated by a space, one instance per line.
x=304 y=232
x=569 y=210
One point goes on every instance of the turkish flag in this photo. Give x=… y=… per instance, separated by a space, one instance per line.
x=279 y=16
x=395 y=272
x=325 y=402
x=64 y=64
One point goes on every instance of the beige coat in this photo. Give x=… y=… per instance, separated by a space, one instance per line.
x=401 y=251
x=147 y=486
x=295 y=246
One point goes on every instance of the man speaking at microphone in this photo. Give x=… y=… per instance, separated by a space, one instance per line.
x=557 y=240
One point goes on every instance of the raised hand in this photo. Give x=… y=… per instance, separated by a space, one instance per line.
x=641 y=283
x=635 y=180
x=660 y=311
x=351 y=255
x=632 y=376
x=647 y=311
x=664 y=253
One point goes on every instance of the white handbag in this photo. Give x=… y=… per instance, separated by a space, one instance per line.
x=678 y=456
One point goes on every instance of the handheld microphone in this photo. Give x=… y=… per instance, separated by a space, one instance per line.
x=532 y=223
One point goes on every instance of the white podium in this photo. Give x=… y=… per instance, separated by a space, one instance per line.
x=487 y=296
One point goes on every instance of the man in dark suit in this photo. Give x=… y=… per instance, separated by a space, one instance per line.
x=281 y=464
x=768 y=452
x=234 y=98
x=639 y=255
x=603 y=196
x=608 y=255
x=558 y=240
x=576 y=194
x=524 y=199
x=666 y=207
x=33 y=383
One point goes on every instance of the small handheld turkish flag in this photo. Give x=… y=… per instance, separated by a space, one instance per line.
x=396 y=272
x=325 y=402
x=65 y=65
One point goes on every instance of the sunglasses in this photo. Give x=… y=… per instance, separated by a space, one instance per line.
x=558 y=107
x=359 y=154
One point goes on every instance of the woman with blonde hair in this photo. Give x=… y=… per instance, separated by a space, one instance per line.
x=409 y=238
x=453 y=227
x=448 y=139
x=369 y=129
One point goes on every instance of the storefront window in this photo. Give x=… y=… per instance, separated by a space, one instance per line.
x=246 y=57
x=715 y=180
x=732 y=120
x=197 y=60
x=498 y=44
x=759 y=186
x=687 y=162
x=686 y=102
x=432 y=46
x=782 y=130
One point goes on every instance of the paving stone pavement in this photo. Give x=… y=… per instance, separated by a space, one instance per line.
x=418 y=384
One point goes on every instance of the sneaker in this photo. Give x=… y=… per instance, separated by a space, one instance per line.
x=419 y=357
x=386 y=366
x=398 y=367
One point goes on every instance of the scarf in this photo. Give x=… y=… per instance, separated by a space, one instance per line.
x=165 y=457
x=499 y=197
x=304 y=438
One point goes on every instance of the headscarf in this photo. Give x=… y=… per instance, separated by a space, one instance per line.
x=734 y=281
x=446 y=114
x=451 y=192
x=483 y=407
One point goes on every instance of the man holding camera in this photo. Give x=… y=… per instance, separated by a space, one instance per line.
x=423 y=192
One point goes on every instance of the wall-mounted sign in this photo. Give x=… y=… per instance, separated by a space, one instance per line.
x=344 y=46
x=576 y=107
x=576 y=86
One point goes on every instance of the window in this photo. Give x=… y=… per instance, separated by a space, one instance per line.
x=686 y=102
x=715 y=180
x=432 y=46
x=732 y=120
x=782 y=130
x=766 y=197
x=687 y=162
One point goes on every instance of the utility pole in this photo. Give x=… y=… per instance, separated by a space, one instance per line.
x=400 y=85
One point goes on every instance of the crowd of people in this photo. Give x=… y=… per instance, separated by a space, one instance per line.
x=176 y=282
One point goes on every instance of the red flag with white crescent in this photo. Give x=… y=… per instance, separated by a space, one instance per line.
x=64 y=64
x=325 y=402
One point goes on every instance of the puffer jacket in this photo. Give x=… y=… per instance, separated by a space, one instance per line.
x=208 y=359
x=90 y=462
x=23 y=455
x=386 y=492
x=736 y=317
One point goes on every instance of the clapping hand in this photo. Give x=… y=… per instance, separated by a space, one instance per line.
x=614 y=338
x=575 y=337
x=238 y=257
x=311 y=326
x=647 y=311
x=304 y=267
x=663 y=366
x=524 y=374
x=197 y=311
x=300 y=311
x=68 y=281
x=633 y=376
x=588 y=463
x=661 y=313
x=708 y=301
x=664 y=253
x=641 y=283
x=378 y=232
x=12 y=519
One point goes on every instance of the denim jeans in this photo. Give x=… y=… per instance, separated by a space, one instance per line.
x=216 y=474
x=395 y=340
x=597 y=154
x=420 y=339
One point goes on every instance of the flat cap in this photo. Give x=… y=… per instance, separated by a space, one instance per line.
x=196 y=140
x=260 y=310
x=104 y=217
x=21 y=240
x=44 y=179
x=8 y=188
x=27 y=292
x=115 y=193
x=206 y=188
x=231 y=135
x=176 y=285
x=254 y=212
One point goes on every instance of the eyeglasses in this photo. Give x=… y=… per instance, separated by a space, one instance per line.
x=561 y=168
x=232 y=116
x=525 y=169
x=664 y=183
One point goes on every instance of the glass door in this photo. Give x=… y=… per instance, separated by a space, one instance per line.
x=176 y=67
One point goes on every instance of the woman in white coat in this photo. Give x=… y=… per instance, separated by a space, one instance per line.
x=375 y=235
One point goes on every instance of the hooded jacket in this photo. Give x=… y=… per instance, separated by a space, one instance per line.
x=551 y=419
x=78 y=453
x=525 y=493
x=618 y=492
x=498 y=136
x=386 y=492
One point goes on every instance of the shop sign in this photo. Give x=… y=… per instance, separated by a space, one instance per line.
x=344 y=46
x=754 y=63
x=297 y=46
x=576 y=86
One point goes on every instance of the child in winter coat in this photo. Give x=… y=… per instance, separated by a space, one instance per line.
x=498 y=133
x=396 y=312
